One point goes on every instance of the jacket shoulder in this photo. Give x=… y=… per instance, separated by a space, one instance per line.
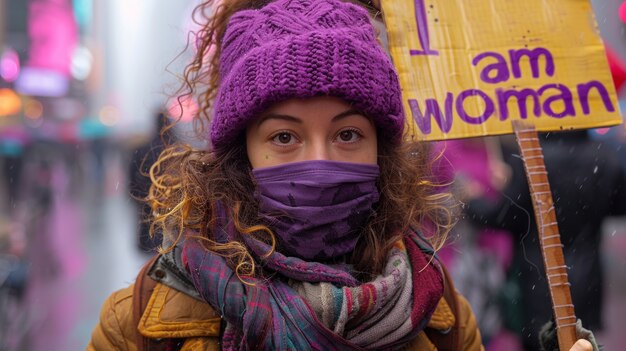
x=174 y=314
x=470 y=335
x=170 y=314
x=442 y=322
x=115 y=330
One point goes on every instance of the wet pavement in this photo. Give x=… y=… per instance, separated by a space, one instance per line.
x=85 y=248
x=79 y=253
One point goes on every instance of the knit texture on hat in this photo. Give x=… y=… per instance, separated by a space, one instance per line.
x=301 y=49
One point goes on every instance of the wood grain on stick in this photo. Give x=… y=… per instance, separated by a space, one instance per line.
x=549 y=237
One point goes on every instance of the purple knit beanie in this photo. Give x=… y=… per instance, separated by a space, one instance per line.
x=301 y=49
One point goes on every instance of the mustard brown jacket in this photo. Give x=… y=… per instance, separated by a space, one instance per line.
x=171 y=313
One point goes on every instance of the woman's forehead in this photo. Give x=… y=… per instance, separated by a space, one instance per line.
x=312 y=109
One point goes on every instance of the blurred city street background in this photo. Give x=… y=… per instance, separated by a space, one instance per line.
x=81 y=85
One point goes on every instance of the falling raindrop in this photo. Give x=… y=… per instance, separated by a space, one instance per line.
x=595 y=170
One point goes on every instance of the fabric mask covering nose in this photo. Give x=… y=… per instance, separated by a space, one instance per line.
x=317 y=209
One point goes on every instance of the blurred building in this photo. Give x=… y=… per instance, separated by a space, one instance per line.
x=78 y=69
x=80 y=81
x=44 y=67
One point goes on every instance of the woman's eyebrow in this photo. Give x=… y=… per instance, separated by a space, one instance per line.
x=347 y=113
x=278 y=116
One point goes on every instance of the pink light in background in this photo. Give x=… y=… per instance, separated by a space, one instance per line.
x=602 y=131
x=53 y=33
x=622 y=11
x=9 y=65
x=185 y=109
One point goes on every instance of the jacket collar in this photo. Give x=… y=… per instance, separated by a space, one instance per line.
x=173 y=314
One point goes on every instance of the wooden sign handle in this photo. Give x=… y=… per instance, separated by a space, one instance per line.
x=548 y=230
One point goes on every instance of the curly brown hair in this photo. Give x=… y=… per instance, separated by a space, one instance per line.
x=188 y=184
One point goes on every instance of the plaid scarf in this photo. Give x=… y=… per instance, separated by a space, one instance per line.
x=313 y=306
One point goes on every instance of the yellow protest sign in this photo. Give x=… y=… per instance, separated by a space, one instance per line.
x=469 y=67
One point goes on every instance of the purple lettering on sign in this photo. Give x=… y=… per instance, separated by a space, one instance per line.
x=564 y=96
x=503 y=97
x=422 y=31
x=533 y=58
x=554 y=100
x=432 y=109
x=460 y=108
x=583 y=95
x=499 y=68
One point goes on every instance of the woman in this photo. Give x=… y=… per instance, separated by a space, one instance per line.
x=305 y=227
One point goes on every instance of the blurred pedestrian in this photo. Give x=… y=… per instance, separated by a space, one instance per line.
x=139 y=181
x=13 y=141
x=588 y=184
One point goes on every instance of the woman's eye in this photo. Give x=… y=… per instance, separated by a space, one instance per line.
x=283 y=138
x=348 y=136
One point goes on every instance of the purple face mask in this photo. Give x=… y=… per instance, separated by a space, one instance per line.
x=317 y=209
